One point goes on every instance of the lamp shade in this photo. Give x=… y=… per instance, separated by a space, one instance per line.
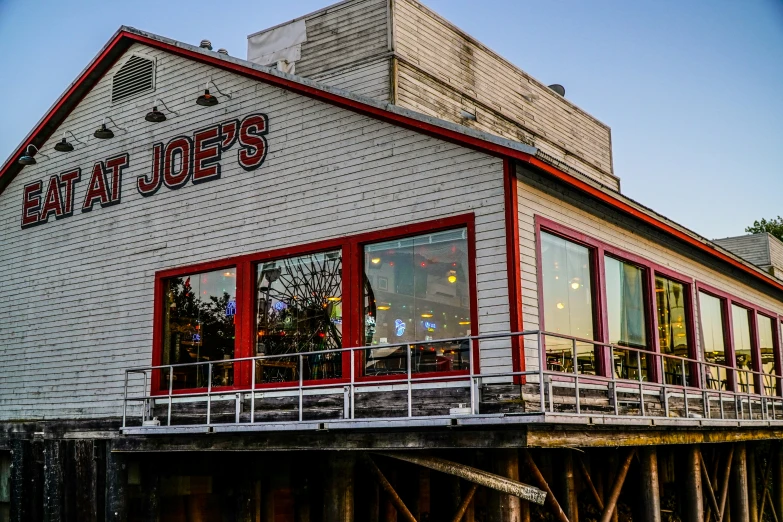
x=206 y=99
x=155 y=116
x=63 y=146
x=103 y=133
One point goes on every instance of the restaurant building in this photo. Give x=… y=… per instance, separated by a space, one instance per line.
x=372 y=272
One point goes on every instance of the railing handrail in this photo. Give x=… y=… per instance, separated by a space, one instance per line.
x=353 y=381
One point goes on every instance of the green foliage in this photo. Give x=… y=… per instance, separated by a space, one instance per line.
x=774 y=226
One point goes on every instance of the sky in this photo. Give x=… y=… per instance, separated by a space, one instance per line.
x=693 y=91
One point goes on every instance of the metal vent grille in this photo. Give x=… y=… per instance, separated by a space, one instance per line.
x=137 y=75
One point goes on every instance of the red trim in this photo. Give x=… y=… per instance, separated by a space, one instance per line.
x=513 y=266
x=353 y=267
x=123 y=37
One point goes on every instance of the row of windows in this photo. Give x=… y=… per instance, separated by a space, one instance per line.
x=414 y=288
x=591 y=291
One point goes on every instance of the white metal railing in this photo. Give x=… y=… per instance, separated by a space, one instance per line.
x=751 y=395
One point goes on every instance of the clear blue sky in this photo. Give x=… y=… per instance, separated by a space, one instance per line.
x=693 y=91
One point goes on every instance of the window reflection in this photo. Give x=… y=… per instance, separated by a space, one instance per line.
x=671 y=305
x=713 y=341
x=626 y=317
x=417 y=289
x=767 y=348
x=299 y=309
x=740 y=322
x=568 y=303
x=198 y=325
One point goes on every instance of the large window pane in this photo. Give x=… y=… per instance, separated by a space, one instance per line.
x=767 y=346
x=417 y=289
x=713 y=340
x=625 y=314
x=568 y=303
x=198 y=326
x=740 y=323
x=671 y=304
x=299 y=309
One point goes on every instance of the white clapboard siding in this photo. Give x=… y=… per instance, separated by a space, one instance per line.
x=446 y=66
x=77 y=293
x=368 y=78
x=344 y=34
x=532 y=202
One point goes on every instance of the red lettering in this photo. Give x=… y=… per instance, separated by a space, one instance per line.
x=178 y=147
x=52 y=201
x=68 y=179
x=253 y=142
x=116 y=165
x=148 y=187
x=206 y=145
x=31 y=204
x=96 y=190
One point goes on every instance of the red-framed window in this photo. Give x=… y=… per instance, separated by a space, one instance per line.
x=631 y=301
x=404 y=284
x=751 y=339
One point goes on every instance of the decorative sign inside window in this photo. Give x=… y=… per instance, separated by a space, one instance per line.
x=195 y=159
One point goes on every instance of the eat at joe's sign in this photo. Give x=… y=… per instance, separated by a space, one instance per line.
x=195 y=159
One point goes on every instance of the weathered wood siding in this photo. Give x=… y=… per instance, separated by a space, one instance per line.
x=753 y=248
x=77 y=293
x=443 y=70
x=369 y=78
x=584 y=217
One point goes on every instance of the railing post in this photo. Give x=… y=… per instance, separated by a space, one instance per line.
x=301 y=389
x=684 y=389
x=171 y=392
x=541 y=362
x=614 y=380
x=253 y=391
x=473 y=381
x=662 y=360
x=641 y=385
x=576 y=373
x=410 y=385
x=146 y=403
x=209 y=393
x=125 y=400
x=353 y=381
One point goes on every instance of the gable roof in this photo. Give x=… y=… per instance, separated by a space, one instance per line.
x=477 y=140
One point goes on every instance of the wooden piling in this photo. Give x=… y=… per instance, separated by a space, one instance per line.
x=777 y=479
x=20 y=461
x=550 y=501
x=53 y=494
x=650 y=494
x=387 y=487
x=502 y=506
x=740 y=506
x=614 y=494
x=86 y=480
x=752 y=495
x=567 y=481
x=693 y=496
x=338 y=487
x=116 y=486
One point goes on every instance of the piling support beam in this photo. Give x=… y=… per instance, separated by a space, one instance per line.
x=694 y=495
x=740 y=508
x=550 y=501
x=402 y=509
x=650 y=497
x=20 y=462
x=53 y=482
x=116 y=486
x=591 y=485
x=568 y=485
x=724 y=490
x=338 y=487
x=465 y=503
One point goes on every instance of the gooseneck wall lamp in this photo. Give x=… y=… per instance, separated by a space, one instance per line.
x=156 y=116
x=28 y=157
x=64 y=146
x=105 y=133
x=210 y=100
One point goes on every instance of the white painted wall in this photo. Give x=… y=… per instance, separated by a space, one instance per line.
x=77 y=293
